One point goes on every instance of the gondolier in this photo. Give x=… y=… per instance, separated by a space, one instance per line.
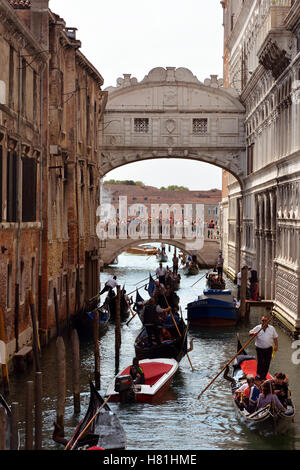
x=266 y=339
x=161 y=273
x=109 y=285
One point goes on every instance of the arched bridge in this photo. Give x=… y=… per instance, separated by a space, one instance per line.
x=171 y=114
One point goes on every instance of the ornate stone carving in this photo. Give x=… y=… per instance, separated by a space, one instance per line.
x=274 y=59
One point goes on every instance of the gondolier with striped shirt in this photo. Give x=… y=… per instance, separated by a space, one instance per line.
x=266 y=340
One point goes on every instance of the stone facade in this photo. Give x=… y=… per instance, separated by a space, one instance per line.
x=50 y=106
x=261 y=220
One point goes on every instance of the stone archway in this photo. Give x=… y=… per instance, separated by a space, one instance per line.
x=171 y=114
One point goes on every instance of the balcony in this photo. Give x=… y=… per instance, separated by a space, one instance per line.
x=277 y=45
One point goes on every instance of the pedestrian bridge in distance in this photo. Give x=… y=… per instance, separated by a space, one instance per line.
x=206 y=249
x=171 y=114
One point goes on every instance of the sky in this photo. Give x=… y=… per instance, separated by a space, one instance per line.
x=134 y=36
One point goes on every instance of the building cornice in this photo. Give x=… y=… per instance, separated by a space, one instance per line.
x=12 y=21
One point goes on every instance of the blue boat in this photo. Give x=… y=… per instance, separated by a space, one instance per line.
x=213 y=308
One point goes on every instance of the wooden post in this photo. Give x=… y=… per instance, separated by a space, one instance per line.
x=36 y=342
x=61 y=381
x=68 y=302
x=14 y=433
x=2 y=429
x=38 y=410
x=3 y=353
x=76 y=370
x=96 y=349
x=118 y=330
x=244 y=281
x=56 y=312
x=29 y=416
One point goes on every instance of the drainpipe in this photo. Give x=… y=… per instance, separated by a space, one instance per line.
x=41 y=199
x=19 y=216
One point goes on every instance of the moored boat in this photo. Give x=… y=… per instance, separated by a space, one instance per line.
x=161 y=256
x=213 y=308
x=268 y=417
x=146 y=250
x=159 y=374
x=105 y=431
x=173 y=348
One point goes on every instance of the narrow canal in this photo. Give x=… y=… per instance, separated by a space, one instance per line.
x=179 y=421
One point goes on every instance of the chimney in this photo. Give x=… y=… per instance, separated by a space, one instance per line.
x=40 y=21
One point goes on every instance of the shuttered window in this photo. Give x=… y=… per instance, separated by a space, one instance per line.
x=28 y=189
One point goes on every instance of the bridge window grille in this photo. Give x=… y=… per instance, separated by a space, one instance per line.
x=200 y=126
x=141 y=125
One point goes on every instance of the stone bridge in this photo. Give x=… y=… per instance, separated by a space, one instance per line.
x=171 y=114
x=206 y=248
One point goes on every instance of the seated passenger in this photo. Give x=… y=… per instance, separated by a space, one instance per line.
x=267 y=397
x=243 y=392
x=136 y=372
x=281 y=388
x=165 y=335
x=254 y=394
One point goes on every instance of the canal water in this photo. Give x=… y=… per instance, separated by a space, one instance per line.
x=179 y=421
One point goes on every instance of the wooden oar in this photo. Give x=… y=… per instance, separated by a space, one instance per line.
x=236 y=355
x=87 y=426
x=175 y=323
x=199 y=279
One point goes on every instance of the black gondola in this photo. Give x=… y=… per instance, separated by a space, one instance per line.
x=111 y=301
x=268 y=417
x=175 y=348
x=84 y=321
x=105 y=431
x=6 y=408
x=138 y=306
x=214 y=283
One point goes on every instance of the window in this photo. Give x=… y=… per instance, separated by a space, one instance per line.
x=141 y=125
x=11 y=78
x=250 y=159
x=24 y=66
x=28 y=189
x=200 y=126
x=11 y=187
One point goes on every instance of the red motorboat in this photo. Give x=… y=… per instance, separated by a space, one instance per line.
x=158 y=373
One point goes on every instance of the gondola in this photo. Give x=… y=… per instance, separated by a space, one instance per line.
x=111 y=301
x=191 y=270
x=7 y=410
x=214 y=283
x=162 y=257
x=268 y=417
x=138 y=305
x=158 y=374
x=84 y=321
x=105 y=432
x=175 y=348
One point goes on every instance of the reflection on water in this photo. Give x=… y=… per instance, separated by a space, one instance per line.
x=179 y=421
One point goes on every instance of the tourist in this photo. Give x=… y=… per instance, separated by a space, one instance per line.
x=165 y=335
x=267 y=397
x=109 y=285
x=281 y=387
x=239 y=282
x=253 y=285
x=220 y=263
x=266 y=340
